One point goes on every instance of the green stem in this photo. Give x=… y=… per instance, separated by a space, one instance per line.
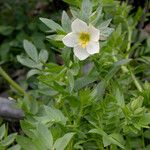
x=79 y=116
x=129 y=35
x=143 y=143
x=11 y=82
x=137 y=84
x=129 y=38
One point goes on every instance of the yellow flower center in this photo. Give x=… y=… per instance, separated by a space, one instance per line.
x=84 y=39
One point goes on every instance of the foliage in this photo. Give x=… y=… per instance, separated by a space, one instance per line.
x=99 y=103
x=7 y=140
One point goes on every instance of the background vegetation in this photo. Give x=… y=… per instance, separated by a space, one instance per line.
x=66 y=104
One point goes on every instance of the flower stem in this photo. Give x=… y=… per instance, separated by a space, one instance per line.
x=11 y=82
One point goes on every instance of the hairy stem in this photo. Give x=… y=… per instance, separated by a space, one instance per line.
x=11 y=82
x=136 y=82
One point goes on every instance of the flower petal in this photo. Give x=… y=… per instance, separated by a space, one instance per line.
x=80 y=52
x=79 y=26
x=95 y=33
x=93 y=47
x=70 y=39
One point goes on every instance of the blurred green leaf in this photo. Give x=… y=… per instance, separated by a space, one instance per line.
x=61 y=143
x=147 y=134
x=84 y=81
x=15 y=147
x=74 y=3
x=96 y=16
x=9 y=139
x=6 y=30
x=55 y=37
x=43 y=55
x=25 y=143
x=2 y=131
x=105 y=33
x=52 y=25
x=104 y=24
x=86 y=9
x=66 y=22
x=32 y=72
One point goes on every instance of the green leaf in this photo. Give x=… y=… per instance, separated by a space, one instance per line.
x=27 y=128
x=122 y=62
x=96 y=16
x=2 y=131
x=34 y=106
x=43 y=56
x=71 y=80
x=61 y=143
x=99 y=90
x=66 y=56
x=45 y=136
x=106 y=141
x=98 y=131
x=55 y=37
x=115 y=141
x=31 y=50
x=119 y=95
x=85 y=97
x=109 y=138
x=116 y=66
x=105 y=33
x=73 y=2
x=25 y=143
x=55 y=115
x=52 y=25
x=137 y=103
x=75 y=12
x=32 y=73
x=54 y=68
x=148 y=42
x=4 y=51
x=2 y=147
x=119 y=138
x=86 y=9
x=6 y=30
x=104 y=24
x=15 y=147
x=24 y=60
x=9 y=139
x=66 y=22
x=147 y=134
x=84 y=81
x=145 y=119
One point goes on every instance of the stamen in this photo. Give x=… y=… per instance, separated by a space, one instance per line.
x=84 y=39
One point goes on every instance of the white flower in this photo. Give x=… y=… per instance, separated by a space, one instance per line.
x=83 y=38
